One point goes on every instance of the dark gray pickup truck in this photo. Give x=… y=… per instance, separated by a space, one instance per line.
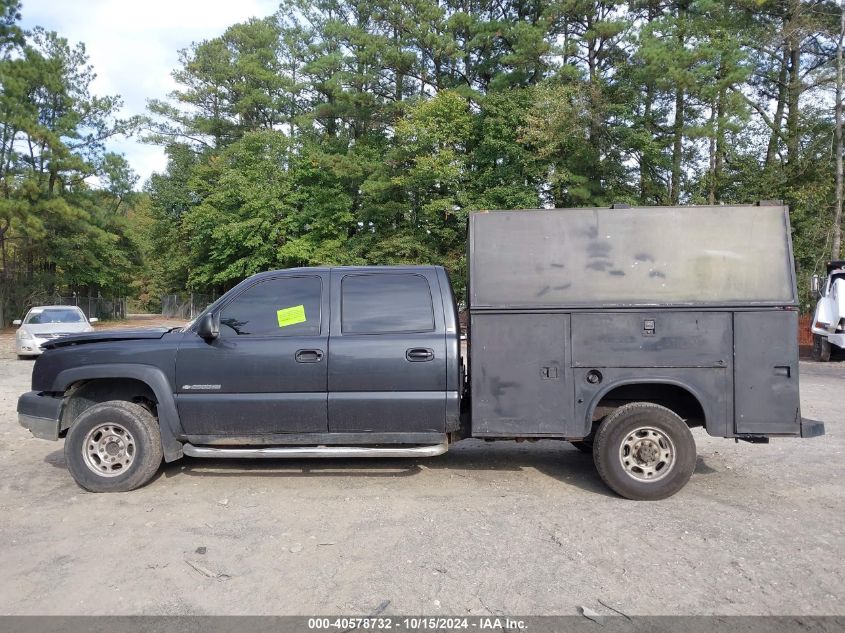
x=615 y=329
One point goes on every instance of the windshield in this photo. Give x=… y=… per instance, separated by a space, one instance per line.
x=54 y=315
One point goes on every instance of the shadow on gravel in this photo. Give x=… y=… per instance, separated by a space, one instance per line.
x=56 y=459
x=567 y=465
x=701 y=467
x=563 y=463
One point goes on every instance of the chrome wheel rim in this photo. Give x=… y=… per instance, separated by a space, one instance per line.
x=109 y=450
x=647 y=454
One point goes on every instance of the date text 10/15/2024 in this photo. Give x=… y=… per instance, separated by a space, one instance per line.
x=380 y=623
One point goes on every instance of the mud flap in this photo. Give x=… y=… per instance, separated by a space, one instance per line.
x=811 y=428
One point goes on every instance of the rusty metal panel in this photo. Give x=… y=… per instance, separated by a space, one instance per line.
x=521 y=374
x=659 y=338
x=766 y=372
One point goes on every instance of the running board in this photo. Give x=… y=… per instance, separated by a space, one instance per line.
x=316 y=451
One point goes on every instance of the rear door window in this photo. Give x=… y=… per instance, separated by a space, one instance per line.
x=386 y=303
x=286 y=306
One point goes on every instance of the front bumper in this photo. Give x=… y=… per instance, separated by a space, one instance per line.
x=29 y=347
x=836 y=339
x=40 y=413
x=811 y=428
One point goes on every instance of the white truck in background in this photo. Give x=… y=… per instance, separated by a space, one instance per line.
x=828 y=325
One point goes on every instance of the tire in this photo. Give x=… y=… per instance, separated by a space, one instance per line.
x=644 y=452
x=821 y=348
x=114 y=446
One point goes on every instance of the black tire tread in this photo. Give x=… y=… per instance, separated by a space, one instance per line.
x=602 y=437
x=147 y=434
x=821 y=349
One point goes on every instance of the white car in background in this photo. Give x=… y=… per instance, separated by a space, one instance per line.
x=828 y=326
x=44 y=323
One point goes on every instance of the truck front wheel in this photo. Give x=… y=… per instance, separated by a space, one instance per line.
x=114 y=446
x=644 y=451
x=821 y=348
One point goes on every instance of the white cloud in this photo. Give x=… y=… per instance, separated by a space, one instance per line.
x=133 y=46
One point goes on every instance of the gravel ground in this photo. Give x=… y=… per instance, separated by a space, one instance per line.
x=499 y=528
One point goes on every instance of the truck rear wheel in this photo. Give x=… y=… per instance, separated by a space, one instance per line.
x=114 y=446
x=821 y=348
x=644 y=452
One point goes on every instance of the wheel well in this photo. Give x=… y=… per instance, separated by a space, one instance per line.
x=673 y=397
x=86 y=393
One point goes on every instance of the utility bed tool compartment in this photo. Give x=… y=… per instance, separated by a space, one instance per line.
x=651 y=339
x=521 y=378
x=766 y=372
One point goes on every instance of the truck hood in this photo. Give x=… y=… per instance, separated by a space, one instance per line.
x=106 y=335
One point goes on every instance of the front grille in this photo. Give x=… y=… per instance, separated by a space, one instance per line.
x=52 y=335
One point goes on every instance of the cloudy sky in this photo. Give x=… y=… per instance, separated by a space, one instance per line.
x=133 y=46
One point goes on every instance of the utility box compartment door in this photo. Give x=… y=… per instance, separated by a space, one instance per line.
x=663 y=338
x=766 y=372
x=521 y=375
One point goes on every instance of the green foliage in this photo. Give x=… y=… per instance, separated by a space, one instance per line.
x=365 y=132
x=240 y=224
x=58 y=232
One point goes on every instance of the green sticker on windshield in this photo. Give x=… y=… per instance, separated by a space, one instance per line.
x=291 y=316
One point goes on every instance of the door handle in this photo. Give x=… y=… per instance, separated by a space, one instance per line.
x=419 y=354
x=309 y=355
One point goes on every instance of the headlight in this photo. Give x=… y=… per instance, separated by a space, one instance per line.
x=24 y=335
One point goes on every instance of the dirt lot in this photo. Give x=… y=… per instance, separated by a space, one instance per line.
x=487 y=528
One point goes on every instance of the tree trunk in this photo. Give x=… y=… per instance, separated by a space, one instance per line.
x=400 y=75
x=677 y=147
x=645 y=162
x=774 y=138
x=678 y=125
x=837 y=215
x=717 y=140
x=720 y=143
x=794 y=97
x=594 y=88
x=711 y=146
x=293 y=99
x=3 y=256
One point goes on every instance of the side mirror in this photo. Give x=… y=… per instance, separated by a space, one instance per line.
x=93 y=320
x=208 y=327
x=17 y=322
x=815 y=285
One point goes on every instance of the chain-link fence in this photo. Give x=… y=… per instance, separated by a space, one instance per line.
x=102 y=308
x=184 y=306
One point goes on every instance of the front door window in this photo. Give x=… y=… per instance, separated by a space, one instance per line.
x=288 y=306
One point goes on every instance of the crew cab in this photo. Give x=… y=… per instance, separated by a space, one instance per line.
x=616 y=329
